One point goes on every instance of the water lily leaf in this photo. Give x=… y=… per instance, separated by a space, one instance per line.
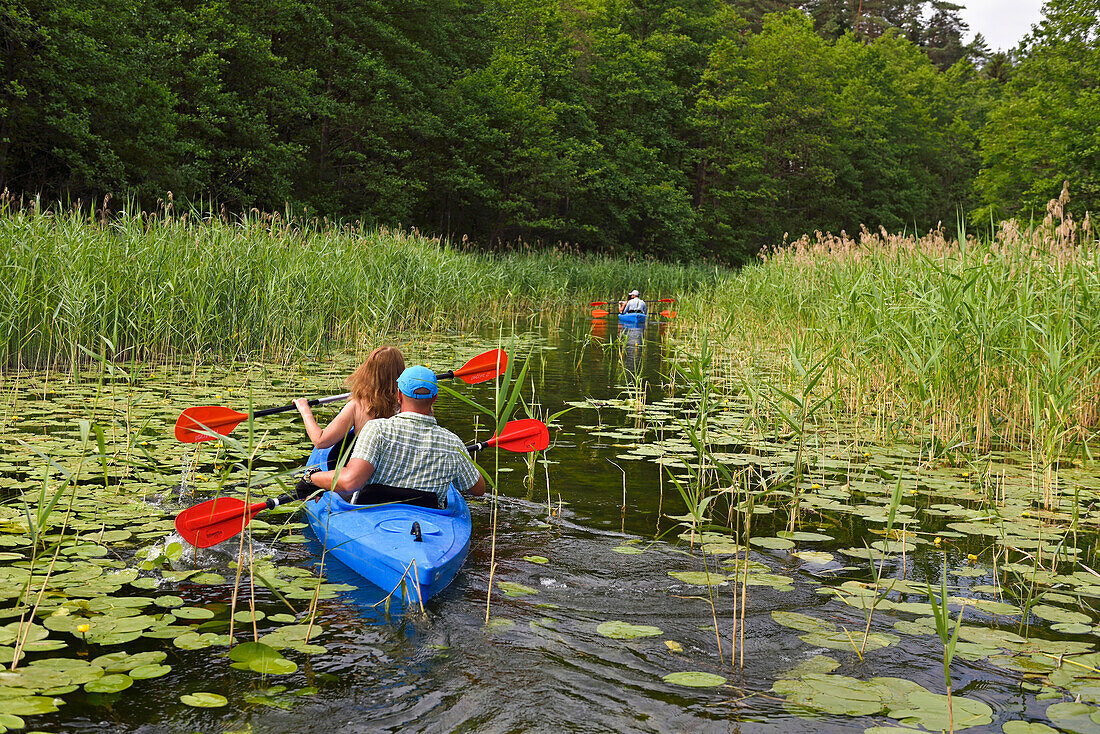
x=617 y=630
x=200 y=640
x=802 y=622
x=694 y=679
x=144 y=672
x=628 y=550
x=262 y=658
x=511 y=588
x=699 y=578
x=1057 y=614
x=831 y=694
x=819 y=664
x=1076 y=718
x=208 y=578
x=818 y=558
x=30 y=705
x=542 y=560
x=193 y=613
x=772 y=543
x=10 y=721
x=929 y=710
x=112 y=683
x=205 y=700
x=1026 y=727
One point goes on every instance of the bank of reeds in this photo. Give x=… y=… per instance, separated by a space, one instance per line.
x=978 y=341
x=169 y=286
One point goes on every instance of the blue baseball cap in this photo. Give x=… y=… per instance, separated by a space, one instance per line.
x=418 y=382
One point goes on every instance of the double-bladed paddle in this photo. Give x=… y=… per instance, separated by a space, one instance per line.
x=219 y=519
x=198 y=423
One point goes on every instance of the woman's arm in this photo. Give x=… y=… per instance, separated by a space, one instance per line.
x=330 y=435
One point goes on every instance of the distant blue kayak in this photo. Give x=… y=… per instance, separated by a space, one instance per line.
x=379 y=542
x=634 y=318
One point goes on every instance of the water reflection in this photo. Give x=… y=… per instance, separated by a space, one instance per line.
x=632 y=349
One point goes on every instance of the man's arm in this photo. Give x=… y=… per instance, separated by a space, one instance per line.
x=351 y=479
x=479 y=488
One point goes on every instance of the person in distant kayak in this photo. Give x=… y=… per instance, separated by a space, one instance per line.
x=373 y=395
x=634 y=304
x=407 y=458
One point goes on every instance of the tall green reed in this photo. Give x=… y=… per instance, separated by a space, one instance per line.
x=184 y=286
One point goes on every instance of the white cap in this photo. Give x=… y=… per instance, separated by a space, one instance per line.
x=634 y=293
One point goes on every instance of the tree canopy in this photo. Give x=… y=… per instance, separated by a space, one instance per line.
x=675 y=129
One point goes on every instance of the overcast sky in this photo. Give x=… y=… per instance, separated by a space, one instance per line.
x=1002 y=22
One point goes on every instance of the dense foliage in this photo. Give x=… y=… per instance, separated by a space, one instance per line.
x=668 y=128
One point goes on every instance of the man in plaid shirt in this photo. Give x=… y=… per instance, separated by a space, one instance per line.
x=407 y=458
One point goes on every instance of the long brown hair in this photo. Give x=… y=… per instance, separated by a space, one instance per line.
x=374 y=384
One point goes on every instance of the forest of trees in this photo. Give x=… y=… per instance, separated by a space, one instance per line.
x=673 y=128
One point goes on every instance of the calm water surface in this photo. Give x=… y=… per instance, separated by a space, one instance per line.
x=540 y=664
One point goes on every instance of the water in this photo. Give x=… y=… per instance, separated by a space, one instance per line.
x=567 y=547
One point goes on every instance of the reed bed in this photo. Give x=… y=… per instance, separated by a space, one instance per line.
x=979 y=341
x=133 y=285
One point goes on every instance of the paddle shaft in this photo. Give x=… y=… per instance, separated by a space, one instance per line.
x=331 y=398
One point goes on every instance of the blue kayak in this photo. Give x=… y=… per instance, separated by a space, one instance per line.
x=632 y=318
x=380 y=544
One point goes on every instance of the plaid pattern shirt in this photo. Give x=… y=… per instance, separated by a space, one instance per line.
x=412 y=451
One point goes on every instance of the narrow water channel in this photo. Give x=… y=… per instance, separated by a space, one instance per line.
x=586 y=536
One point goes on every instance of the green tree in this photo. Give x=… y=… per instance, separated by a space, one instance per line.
x=1045 y=129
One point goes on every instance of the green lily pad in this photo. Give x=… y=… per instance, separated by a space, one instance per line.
x=832 y=694
x=144 y=672
x=511 y=588
x=109 y=683
x=772 y=543
x=929 y=710
x=29 y=705
x=262 y=659
x=699 y=578
x=204 y=700
x=542 y=560
x=625 y=631
x=1026 y=727
x=1057 y=614
x=694 y=679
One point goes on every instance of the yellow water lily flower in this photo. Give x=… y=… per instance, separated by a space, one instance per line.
x=971 y=557
x=82 y=628
x=937 y=541
x=817 y=486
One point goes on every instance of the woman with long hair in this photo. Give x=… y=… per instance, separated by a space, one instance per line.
x=373 y=395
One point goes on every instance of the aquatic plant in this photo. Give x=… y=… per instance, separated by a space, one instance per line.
x=177 y=285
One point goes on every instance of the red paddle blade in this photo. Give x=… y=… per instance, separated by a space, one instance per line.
x=215 y=521
x=483 y=367
x=194 y=424
x=529 y=434
x=599 y=313
x=668 y=314
x=598 y=303
x=666 y=300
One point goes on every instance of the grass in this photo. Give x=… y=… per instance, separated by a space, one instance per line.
x=974 y=342
x=136 y=286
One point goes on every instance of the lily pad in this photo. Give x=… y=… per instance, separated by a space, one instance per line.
x=204 y=700
x=694 y=679
x=511 y=588
x=112 y=683
x=625 y=631
x=699 y=578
